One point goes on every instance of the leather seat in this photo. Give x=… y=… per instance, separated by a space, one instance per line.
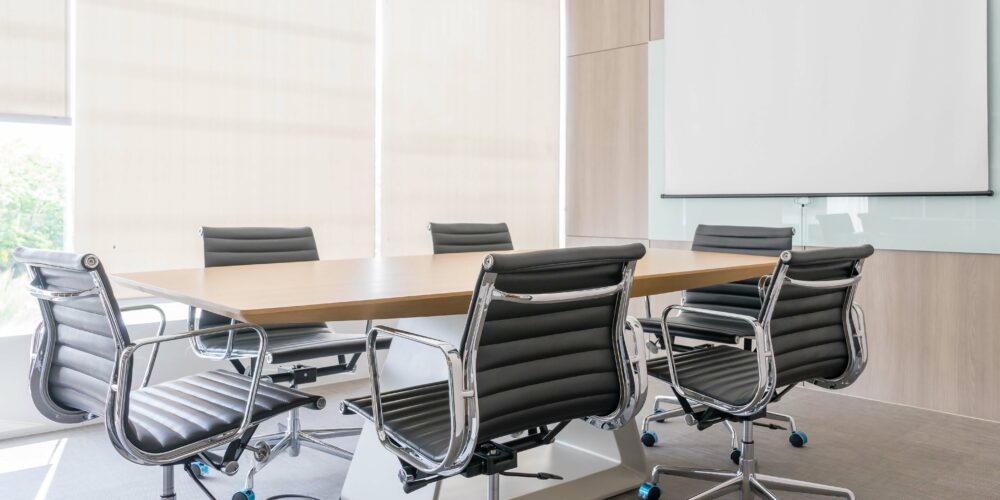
x=172 y=414
x=700 y=327
x=417 y=415
x=725 y=373
x=288 y=343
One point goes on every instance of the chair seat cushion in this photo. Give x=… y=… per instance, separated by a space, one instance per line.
x=165 y=416
x=288 y=343
x=700 y=327
x=726 y=373
x=416 y=416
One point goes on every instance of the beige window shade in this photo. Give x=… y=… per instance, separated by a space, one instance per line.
x=33 y=60
x=470 y=119
x=222 y=113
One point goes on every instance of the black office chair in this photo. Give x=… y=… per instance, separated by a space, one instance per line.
x=81 y=369
x=287 y=344
x=544 y=344
x=808 y=330
x=740 y=297
x=469 y=237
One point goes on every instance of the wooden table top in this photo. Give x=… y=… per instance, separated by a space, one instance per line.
x=396 y=287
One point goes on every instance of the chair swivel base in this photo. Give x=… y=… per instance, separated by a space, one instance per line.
x=745 y=480
x=649 y=438
x=291 y=438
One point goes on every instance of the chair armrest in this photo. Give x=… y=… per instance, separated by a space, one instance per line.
x=766 y=372
x=200 y=350
x=159 y=333
x=463 y=414
x=123 y=392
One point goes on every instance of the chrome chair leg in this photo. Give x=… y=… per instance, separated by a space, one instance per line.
x=494 y=487
x=703 y=474
x=333 y=433
x=307 y=440
x=721 y=490
x=760 y=490
x=734 y=440
x=661 y=417
x=168 y=483
x=262 y=462
x=781 y=417
x=745 y=479
x=796 y=486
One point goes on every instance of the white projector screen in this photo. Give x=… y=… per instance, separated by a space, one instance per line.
x=825 y=97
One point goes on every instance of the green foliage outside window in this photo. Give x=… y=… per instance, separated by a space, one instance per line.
x=32 y=204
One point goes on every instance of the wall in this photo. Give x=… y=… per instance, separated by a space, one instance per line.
x=931 y=315
x=606 y=115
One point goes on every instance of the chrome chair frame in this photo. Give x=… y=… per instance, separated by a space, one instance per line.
x=660 y=416
x=291 y=437
x=746 y=480
x=120 y=387
x=463 y=395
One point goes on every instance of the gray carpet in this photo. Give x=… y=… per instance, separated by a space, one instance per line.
x=880 y=451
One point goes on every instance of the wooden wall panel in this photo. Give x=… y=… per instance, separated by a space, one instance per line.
x=932 y=321
x=470 y=119
x=595 y=25
x=606 y=144
x=656 y=19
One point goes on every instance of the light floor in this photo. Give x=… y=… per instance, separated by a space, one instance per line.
x=880 y=451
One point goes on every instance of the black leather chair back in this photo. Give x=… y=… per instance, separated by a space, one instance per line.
x=539 y=364
x=469 y=237
x=809 y=326
x=76 y=348
x=238 y=246
x=740 y=297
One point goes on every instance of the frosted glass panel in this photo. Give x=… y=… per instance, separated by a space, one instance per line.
x=945 y=224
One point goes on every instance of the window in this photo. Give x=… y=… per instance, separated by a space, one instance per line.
x=34 y=162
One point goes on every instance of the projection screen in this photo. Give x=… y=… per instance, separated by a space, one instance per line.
x=825 y=97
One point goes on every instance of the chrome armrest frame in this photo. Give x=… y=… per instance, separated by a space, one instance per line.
x=462 y=403
x=118 y=403
x=632 y=375
x=766 y=371
x=159 y=333
x=203 y=352
x=857 y=338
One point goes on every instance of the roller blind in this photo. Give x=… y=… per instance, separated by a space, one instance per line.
x=33 y=48
x=470 y=119
x=222 y=113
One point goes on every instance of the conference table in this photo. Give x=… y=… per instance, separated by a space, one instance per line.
x=429 y=295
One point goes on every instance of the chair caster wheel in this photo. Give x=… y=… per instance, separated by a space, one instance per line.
x=200 y=469
x=735 y=455
x=649 y=438
x=244 y=495
x=649 y=491
x=798 y=439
